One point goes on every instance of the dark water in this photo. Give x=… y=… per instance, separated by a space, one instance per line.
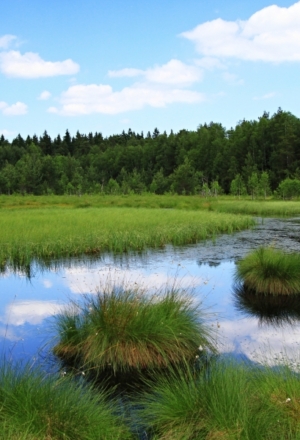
x=241 y=326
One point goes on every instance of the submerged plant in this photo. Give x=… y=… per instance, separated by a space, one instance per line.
x=270 y=271
x=127 y=331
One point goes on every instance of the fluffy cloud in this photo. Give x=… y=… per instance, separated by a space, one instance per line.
x=44 y=95
x=19 y=108
x=87 y=99
x=32 y=312
x=271 y=34
x=6 y=40
x=174 y=72
x=31 y=65
x=266 y=96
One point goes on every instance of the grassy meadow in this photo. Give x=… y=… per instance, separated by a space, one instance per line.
x=34 y=230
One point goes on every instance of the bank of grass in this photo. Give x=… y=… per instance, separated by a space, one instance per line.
x=258 y=208
x=119 y=332
x=229 y=204
x=270 y=271
x=227 y=401
x=35 y=407
x=51 y=233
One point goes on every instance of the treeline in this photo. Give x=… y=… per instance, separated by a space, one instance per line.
x=256 y=157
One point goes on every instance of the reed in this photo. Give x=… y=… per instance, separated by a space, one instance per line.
x=128 y=331
x=36 y=407
x=270 y=271
x=52 y=233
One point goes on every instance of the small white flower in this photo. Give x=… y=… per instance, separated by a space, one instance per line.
x=197 y=357
x=288 y=400
x=200 y=348
x=83 y=373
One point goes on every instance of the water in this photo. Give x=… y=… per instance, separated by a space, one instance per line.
x=241 y=326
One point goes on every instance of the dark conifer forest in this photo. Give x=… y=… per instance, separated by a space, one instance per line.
x=257 y=157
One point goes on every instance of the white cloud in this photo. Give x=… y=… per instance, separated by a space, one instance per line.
x=6 y=40
x=173 y=73
x=47 y=283
x=210 y=63
x=83 y=280
x=259 y=344
x=5 y=133
x=127 y=72
x=87 y=99
x=44 y=95
x=231 y=78
x=271 y=34
x=32 y=312
x=31 y=65
x=266 y=96
x=19 y=108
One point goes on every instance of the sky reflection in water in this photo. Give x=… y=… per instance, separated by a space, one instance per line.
x=27 y=306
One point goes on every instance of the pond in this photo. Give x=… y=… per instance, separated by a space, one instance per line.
x=242 y=327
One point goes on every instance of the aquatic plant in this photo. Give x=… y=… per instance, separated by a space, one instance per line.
x=38 y=407
x=270 y=271
x=126 y=331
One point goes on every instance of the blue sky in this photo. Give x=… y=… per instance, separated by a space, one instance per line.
x=105 y=66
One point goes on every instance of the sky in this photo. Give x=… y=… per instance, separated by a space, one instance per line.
x=107 y=66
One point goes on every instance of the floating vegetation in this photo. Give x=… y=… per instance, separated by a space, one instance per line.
x=270 y=271
x=129 y=331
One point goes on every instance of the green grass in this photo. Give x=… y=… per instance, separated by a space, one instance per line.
x=131 y=331
x=270 y=271
x=51 y=233
x=229 y=204
x=34 y=407
x=259 y=208
x=229 y=401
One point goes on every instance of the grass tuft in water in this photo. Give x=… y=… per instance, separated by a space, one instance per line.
x=131 y=331
x=270 y=271
x=228 y=401
x=37 y=407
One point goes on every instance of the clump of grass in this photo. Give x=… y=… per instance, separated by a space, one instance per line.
x=129 y=331
x=36 y=407
x=229 y=401
x=270 y=271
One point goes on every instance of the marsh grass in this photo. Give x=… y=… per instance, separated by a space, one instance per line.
x=270 y=271
x=258 y=208
x=37 y=407
x=125 y=332
x=229 y=401
x=52 y=233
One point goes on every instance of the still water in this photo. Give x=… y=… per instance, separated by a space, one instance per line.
x=241 y=326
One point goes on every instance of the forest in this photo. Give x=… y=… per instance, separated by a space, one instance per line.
x=259 y=157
